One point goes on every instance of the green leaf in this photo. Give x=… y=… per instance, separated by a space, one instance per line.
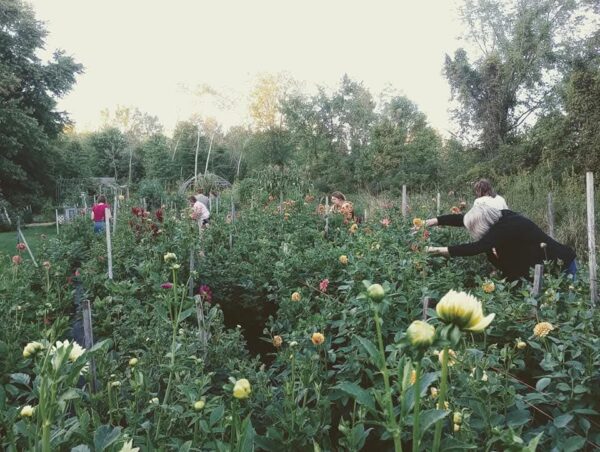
x=451 y=444
x=70 y=394
x=426 y=380
x=532 y=446
x=105 y=436
x=428 y=418
x=573 y=444
x=542 y=384
x=216 y=415
x=20 y=378
x=361 y=395
x=185 y=447
x=248 y=434
x=371 y=350
x=517 y=418
x=80 y=448
x=562 y=421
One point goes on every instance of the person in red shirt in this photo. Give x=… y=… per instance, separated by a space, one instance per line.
x=99 y=214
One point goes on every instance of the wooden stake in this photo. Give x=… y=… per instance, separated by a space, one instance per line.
x=550 y=216
x=326 y=215
x=108 y=243
x=404 y=202
x=88 y=340
x=591 y=230
x=426 y=301
x=439 y=199
x=191 y=284
x=19 y=233
x=538 y=279
x=115 y=217
x=203 y=334
x=56 y=213
x=7 y=215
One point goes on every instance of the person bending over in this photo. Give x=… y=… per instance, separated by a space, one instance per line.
x=513 y=244
x=487 y=195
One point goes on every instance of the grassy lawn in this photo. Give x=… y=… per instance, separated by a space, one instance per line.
x=8 y=240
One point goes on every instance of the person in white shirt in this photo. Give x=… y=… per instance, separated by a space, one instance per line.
x=200 y=212
x=487 y=196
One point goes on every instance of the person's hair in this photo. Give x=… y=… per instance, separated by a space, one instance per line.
x=483 y=187
x=480 y=219
x=338 y=195
x=101 y=199
x=192 y=198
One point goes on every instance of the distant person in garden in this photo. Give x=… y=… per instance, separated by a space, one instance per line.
x=486 y=195
x=513 y=244
x=99 y=214
x=200 y=196
x=200 y=212
x=340 y=205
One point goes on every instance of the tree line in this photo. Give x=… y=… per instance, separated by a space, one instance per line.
x=526 y=96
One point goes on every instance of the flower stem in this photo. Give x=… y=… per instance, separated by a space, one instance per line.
x=417 y=409
x=441 y=401
x=386 y=382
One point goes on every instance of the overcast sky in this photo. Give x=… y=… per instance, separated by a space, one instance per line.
x=144 y=53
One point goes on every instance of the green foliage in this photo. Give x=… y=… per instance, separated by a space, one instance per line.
x=28 y=100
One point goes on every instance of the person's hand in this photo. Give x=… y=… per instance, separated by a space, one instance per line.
x=437 y=250
x=431 y=222
x=427 y=223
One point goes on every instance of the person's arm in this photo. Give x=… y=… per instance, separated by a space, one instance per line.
x=92 y=215
x=483 y=245
x=450 y=220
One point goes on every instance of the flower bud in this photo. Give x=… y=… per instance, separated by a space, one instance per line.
x=420 y=334
x=457 y=417
x=199 y=405
x=376 y=292
x=521 y=345
x=133 y=362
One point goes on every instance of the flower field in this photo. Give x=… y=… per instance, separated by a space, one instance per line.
x=302 y=332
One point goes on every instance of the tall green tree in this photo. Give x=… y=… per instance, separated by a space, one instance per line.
x=514 y=75
x=29 y=88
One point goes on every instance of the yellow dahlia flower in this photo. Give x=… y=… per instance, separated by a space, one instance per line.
x=418 y=223
x=343 y=259
x=27 y=411
x=170 y=257
x=317 y=338
x=489 y=287
x=296 y=296
x=242 y=389
x=464 y=311
x=277 y=341
x=542 y=329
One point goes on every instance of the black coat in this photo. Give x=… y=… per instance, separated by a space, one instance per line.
x=516 y=240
